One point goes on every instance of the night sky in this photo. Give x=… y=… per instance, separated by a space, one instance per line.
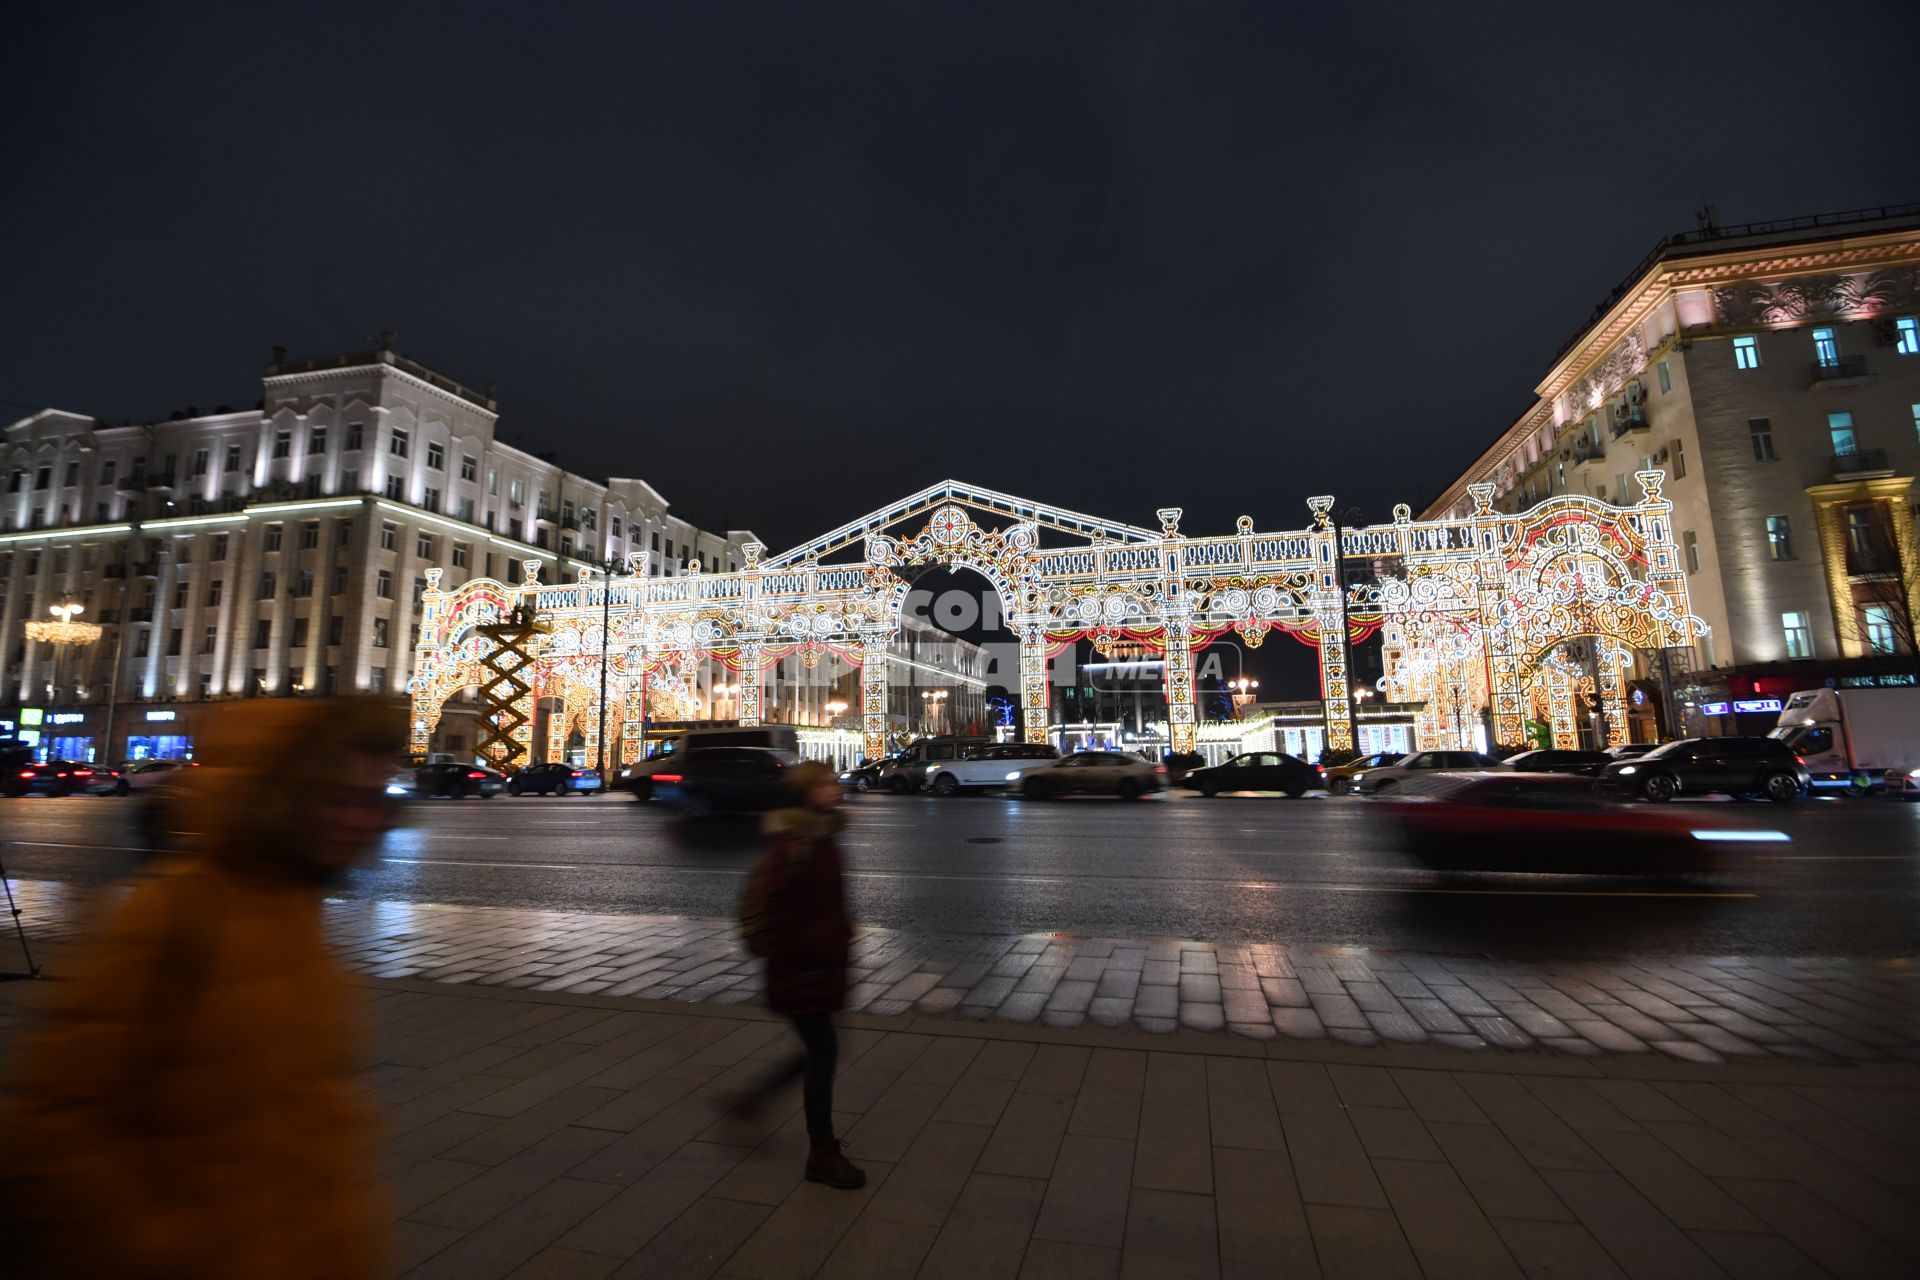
x=790 y=261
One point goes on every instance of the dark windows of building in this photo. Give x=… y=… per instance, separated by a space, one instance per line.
x=282 y=444
x=106 y=472
x=1677 y=452
x=389 y=535
x=423 y=545
x=173 y=643
x=1779 y=538
x=397 y=488
x=469 y=467
x=198 y=467
x=436 y=455
x=141 y=639
x=269 y=583
x=460 y=555
x=262 y=633
x=180 y=594
x=397 y=446
x=303 y=584
x=219 y=551
x=356 y=434
x=309 y=535
x=233 y=458
x=383 y=585
x=336 y=627
x=516 y=530
x=43 y=478
x=378 y=679
x=339 y=579
x=1746 y=352
x=430 y=499
x=273 y=537
x=342 y=532
x=214 y=590
x=1691 y=541
x=317 y=440
x=1665 y=374
x=1760 y=431
x=209 y=639
x=299 y=633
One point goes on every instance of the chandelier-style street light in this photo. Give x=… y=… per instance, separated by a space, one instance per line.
x=64 y=630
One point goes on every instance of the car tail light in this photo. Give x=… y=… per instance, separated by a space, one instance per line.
x=26 y=773
x=577 y=773
x=668 y=777
x=476 y=774
x=1159 y=768
x=83 y=773
x=1320 y=769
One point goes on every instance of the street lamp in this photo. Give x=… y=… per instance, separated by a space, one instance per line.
x=933 y=700
x=63 y=634
x=1241 y=690
x=835 y=709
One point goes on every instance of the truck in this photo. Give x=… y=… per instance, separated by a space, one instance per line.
x=1856 y=740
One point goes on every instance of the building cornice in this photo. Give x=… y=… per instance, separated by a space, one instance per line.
x=389 y=370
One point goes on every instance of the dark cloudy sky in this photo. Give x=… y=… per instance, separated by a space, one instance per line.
x=790 y=260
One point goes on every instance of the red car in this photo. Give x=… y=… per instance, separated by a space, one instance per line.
x=1553 y=823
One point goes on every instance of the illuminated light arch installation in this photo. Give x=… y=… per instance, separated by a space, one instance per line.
x=1470 y=602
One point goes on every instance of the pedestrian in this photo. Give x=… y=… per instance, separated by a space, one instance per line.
x=185 y=1106
x=794 y=914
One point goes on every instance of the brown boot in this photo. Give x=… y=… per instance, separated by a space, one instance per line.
x=826 y=1164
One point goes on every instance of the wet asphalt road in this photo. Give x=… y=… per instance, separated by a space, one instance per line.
x=1310 y=871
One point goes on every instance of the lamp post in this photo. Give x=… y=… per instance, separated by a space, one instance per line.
x=62 y=634
x=606 y=615
x=1346 y=629
x=932 y=701
x=1242 y=694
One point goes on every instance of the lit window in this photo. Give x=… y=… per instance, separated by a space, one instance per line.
x=1880 y=632
x=1916 y=419
x=1840 y=428
x=1691 y=541
x=1666 y=377
x=379 y=633
x=1826 y=348
x=1908 y=329
x=1779 y=538
x=1746 y=352
x=1798 y=632
x=1761 y=429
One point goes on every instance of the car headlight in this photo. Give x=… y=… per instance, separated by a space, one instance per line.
x=1358 y=777
x=1626 y=769
x=395 y=789
x=1014 y=774
x=1914 y=774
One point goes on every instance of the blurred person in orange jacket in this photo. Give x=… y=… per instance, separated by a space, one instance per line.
x=185 y=1107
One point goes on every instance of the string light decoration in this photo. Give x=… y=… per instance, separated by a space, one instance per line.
x=1467 y=609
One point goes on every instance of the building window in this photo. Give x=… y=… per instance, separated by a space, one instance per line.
x=396 y=488
x=262 y=633
x=282 y=444
x=398 y=445
x=1826 y=350
x=379 y=678
x=303 y=584
x=214 y=590
x=1691 y=541
x=1916 y=419
x=273 y=537
x=430 y=499
x=339 y=578
x=233 y=458
x=140 y=642
x=383 y=585
x=1779 y=538
x=1799 y=634
x=208 y=640
x=1907 y=331
x=198 y=468
x=436 y=455
x=268 y=583
x=1880 y=632
x=180 y=594
x=616 y=519
x=460 y=555
x=419 y=590
x=173 y=643
x=219 y=547
x=1665 y=375
x=106 y=473
x=1746 y=352
x=379 y=633
x=350 y=480
x=469 y=467
x=423 y=545
x=355 y=433
x=342 y=533
x=466 y=510
x=1761 y=431
x=1840 y=429
x=389 y=535
x=336 y=627
x=1678 y=451
x=516 y=494
x=299 y=633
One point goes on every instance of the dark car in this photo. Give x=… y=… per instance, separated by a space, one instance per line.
x=1552 y=823
x=1628 y=750
x=865 y=776
x=1586 y=764
x=455 y=781
x=554 y=779
x=1738 y=767
x=54 y=778
x=1256 y=771
x=726 y=780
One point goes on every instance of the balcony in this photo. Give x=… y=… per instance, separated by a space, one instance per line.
x=570 y=522
x=1843 y=372
x=161 y=480
x=1588 y=451
x=1861 y=464
x=114 y=571
x=1629 y=418
x=140 y=615
x=147 y=569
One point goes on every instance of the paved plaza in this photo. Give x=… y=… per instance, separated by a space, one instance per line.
x=1701 y=1009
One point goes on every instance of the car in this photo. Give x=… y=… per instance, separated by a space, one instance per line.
x=1586 y=764
x=988 y=768
x=142 y=775
x=865 y=776
x=1735 y=766
x=914 y=767
x=1339 y=777
x=1089 y=772
x=1628 y=750
x=1550 y=823
x=456 y=781
x=554 y=778
x=723 y=780
x=52 y=778
x=1386 y=777
x=106 y=782
x=1256 y=771
x=637 y=778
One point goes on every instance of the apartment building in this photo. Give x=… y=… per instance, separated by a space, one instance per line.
x=1772 y=371
x=282 y=550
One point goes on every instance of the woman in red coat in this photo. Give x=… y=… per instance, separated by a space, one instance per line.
x=805 y=935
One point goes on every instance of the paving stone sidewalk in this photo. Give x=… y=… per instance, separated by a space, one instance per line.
x=1699 y=1009
x=565 y=1137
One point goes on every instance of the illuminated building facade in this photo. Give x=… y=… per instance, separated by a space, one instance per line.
x=1772 y=371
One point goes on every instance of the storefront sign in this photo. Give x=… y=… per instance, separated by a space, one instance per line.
x=1713 y=708
x=161 y=715
x=66 y=717
x=1754 y=706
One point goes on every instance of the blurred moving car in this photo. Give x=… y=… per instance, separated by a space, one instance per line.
x=1340 y=777
x=1256 y=771
x=1628 y=750
x=722 y=780
x=1737 y=767
x=988 y=768
x=1385 y=778
x=1088 y=772
x=554 y=778
x=142 y=775
x=637 y=777
x=455 y=781
x=1586 y=764
x=1552 y=823
x=106 y=782
x=53 y=778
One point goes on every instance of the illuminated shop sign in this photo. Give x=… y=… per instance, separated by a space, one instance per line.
x=1713 y=708
x=66 y=717
x=161 y=715
x=1755 y=705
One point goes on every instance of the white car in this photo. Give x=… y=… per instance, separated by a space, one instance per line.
x=142 y=774
x=1374 y=781
x=988 y=768
x=1088 y=772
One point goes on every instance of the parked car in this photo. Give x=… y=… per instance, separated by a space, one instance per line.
x=53 y=778
x=1738 y=767
x=637 y=777
x=554 y=779
x=720 y=780
x=1256 y=771
x=1339 y=777
x=914 y=767
x=1586 y=764
x=988 y=768
x=1089 y=772
x=1386 y=777
x=1628 y=750
x=456 y=781
x=1554 y=823
x=865 y=776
